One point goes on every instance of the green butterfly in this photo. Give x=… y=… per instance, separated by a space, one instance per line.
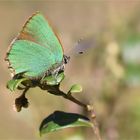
x=36 y=52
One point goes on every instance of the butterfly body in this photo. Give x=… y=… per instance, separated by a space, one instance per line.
x=36 y=52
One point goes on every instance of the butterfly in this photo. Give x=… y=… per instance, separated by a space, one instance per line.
x=37 y=51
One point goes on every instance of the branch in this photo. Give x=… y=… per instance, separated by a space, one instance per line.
x=23 y=102
x=96 y=130
x=56 y=91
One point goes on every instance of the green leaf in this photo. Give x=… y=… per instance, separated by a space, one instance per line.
x=60 y=77
x=14 y=83
x=53 y=80
x=75 y=88
x=60 y=120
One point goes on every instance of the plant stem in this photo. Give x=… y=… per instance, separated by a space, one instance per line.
x=90 y=110
x=71 y=98
x=96 y=130
x=92 y=114
x=56 y=91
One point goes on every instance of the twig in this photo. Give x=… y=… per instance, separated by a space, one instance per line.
x=96 y=130
x=56 y=91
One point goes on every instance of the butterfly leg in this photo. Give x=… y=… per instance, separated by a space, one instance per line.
x=41 y=80
x=54 y=75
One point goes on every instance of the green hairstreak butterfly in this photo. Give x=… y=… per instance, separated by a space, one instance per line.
x=36 y=51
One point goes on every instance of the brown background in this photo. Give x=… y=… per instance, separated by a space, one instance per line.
x=98 y=22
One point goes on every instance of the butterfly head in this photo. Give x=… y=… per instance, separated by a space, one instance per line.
x=66 y=59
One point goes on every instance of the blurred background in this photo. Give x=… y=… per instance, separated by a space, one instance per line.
x=108 y=32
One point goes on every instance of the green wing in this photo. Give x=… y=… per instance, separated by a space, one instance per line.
x=37 y=29
x=30 y=58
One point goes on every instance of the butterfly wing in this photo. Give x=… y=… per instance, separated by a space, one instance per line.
x=37 y=29
x=30 y=58
x=36 y=49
